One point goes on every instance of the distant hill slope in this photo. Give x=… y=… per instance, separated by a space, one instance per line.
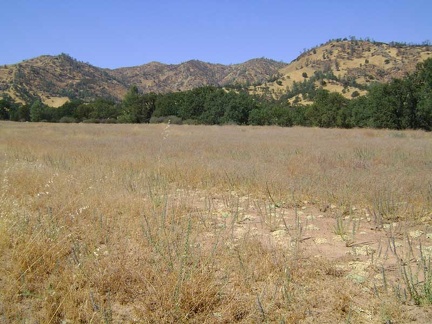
x=55 y=79
x=345 y=66
x=158 y=77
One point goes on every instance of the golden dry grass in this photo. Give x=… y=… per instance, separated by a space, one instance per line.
x=54 y=102
x=143 y=223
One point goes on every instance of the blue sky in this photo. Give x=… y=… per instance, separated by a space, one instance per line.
x=111 y=34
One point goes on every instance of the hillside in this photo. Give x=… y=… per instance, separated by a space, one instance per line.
x=55 y=79
x=344 y=66
x=158 y=77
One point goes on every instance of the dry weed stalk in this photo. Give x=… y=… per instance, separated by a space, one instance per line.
x=109 y=223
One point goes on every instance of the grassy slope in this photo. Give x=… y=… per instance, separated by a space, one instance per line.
x=351 y=59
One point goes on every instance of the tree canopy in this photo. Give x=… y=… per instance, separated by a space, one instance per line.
x=400 y=104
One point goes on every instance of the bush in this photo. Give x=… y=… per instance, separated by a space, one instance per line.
x=165 y=119
x=355 y=94
x=109 y=121
x=67 y=119
x=304 y=75
x=91 y=121
x=191 y=122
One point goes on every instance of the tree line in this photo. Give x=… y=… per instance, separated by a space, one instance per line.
x=400 y=104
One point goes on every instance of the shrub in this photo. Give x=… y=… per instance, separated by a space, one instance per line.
x=304 y=75
x=109 y=121
x=355 y=94
x=165 y=119
x=190 y=122
x=91 y=121
x=67 y=119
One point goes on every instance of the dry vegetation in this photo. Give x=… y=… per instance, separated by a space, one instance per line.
x=157 y=223
x=362 y=61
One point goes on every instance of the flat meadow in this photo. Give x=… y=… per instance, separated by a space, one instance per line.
x=162 y=223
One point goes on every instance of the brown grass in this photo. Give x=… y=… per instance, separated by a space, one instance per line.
x=145 y=223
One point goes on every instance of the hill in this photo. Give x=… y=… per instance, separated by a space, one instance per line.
x=55 y=79
x=158 y=77
x=342 y=65
x=345 y=66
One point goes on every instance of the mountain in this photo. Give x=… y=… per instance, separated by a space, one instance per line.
x=56 y=79
x=158 y=77
x=347 y=66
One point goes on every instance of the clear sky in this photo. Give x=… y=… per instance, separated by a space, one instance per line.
x=119 y=33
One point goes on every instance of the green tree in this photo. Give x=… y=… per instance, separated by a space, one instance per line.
x=6 y=105
x=68 y=109
x=83 y=112
x=137 y=108
x=259 y=116
x=131 y=106
x=382 y=107
x=328 y=110
x=37 y=110
x=360 y=114
x=168 y=104
x=103 y=109
x=423 y=84
x=193 y=105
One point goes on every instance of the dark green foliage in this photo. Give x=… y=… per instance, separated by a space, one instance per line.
x=7 y=107
x=67 y=120
x=399 y=104
x=22 y=114
x=328 y=110
x=37 y=111
x=355 y=94
x=136 y=107
x=168 y=104
x=166 y=119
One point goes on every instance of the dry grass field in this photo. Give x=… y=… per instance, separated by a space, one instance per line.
x=214 y=224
